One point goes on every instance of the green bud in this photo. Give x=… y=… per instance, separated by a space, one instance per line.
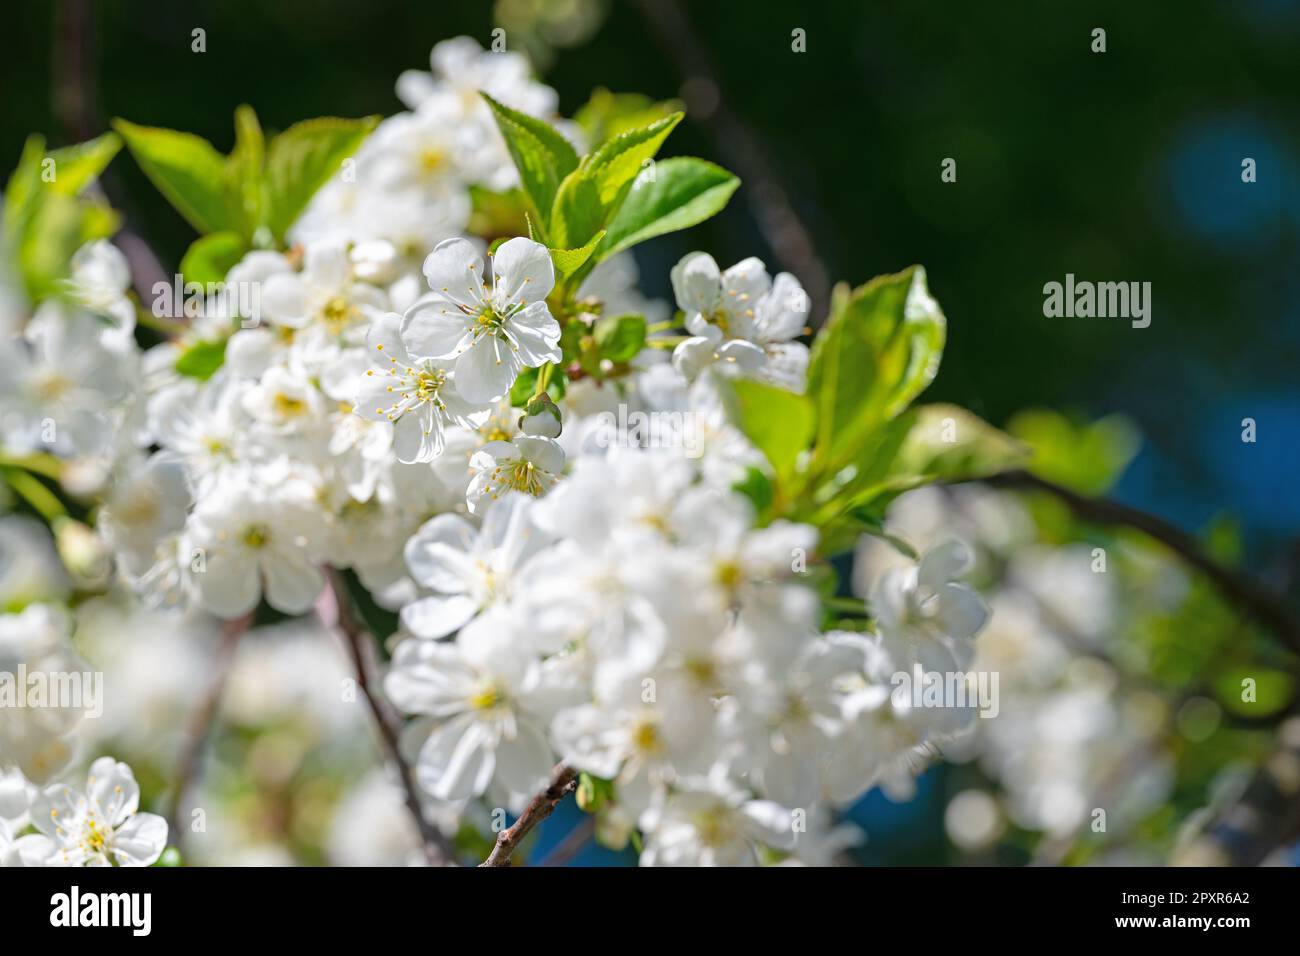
x=541 y=418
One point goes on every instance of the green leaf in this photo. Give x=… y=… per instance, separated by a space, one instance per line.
x=245 y=165
x=23 y=190
x=606 y=115
x=210 y=257
x=568 y=261
x=542 y=156
x=1087 y=457
x=577 y=214
x=880 y=348
x=189 y=172
x=44 y=224
x=590 y=195
x=60 y=227
x=201 y=359
x=302 y=159
x=620 y=337
x=76 y=167
x=948 y=443
x=682 y=192
x=757 y=487
x=616 y=163
x=46 y=219
x=779 y=422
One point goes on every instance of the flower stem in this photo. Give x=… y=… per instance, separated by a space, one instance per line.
x=543 y=379
x=44 y=501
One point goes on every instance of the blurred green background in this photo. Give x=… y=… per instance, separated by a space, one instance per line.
x=1123 y=165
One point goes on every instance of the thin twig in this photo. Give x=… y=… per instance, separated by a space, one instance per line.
x=202 y=719
x=741 y=149
x=437 y=849
x=563 y=781
x=1259 y=603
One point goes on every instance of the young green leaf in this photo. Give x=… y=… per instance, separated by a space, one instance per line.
x=22 y=191
x=76 y=167
x=680 y=193
x=245 y=165
x=542 y=156
x=616 y=163
x=576 y=214
x=948 y=443
x=606 y=115
x=302 y=159
x=880 y=348
x=620 y=337
x=58 y=227
x=210 y=257
x=568 y=261
x=45 y=221
x=779 y=422
x=757 y=487
x=589 y=196
x=1085 y=456
x=202 y=359
x=189 y=172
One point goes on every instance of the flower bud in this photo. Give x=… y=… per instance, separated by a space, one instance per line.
x=83 y=554
x=541 y=418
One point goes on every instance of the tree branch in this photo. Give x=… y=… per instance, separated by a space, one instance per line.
x=563 y=781
x=437 y=849
x=201 y=720
x=1257 y=602
x=741 y=148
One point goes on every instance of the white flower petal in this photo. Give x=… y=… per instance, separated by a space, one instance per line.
x=455 y=270
x=438 y=615
x=486 y=371
x=522 y=272
x=435 y=328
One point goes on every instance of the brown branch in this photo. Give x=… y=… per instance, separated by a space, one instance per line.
x=741 y=148
x=437 y=849
x=202 y=719
x=1257 y=602
x=563 y=781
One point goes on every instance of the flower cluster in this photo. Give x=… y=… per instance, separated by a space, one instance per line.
x=574 y=511
x=636 y=625
x=101 y=826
